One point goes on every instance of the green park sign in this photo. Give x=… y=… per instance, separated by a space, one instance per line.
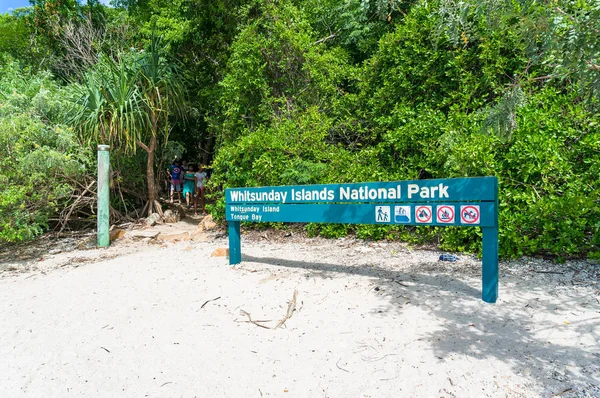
x=459 y=202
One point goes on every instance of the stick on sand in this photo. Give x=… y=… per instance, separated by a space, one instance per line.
x=288 y=314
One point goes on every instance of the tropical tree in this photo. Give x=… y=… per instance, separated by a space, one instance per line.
x=126 y=102
x=162 y=93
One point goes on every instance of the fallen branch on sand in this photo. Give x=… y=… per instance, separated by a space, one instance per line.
x=558 y=394
x=400 y=283
x=339 y=367
x=254 y=322
x=290 y=311
x=549 y=272
x=208 y=301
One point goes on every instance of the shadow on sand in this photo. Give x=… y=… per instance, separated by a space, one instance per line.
x=519 y=332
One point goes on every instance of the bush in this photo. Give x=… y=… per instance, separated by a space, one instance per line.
x=40 y=158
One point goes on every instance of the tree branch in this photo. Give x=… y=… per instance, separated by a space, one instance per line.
x=593 y=65
x=143 y=146
x=331 y=36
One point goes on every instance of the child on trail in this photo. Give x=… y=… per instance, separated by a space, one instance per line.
x=200 y=178
x=175 y=175
x=189 y=183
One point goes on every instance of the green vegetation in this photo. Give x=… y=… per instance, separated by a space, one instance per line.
x=40 y=157
x=305 y=91
x=127 y=103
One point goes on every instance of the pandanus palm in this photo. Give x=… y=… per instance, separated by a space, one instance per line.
x=163 y=95
x=127 y=104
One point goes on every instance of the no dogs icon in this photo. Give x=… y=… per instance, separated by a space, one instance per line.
x=445 y=214
x=470 y=214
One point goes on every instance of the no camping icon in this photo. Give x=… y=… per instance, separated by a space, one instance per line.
x=445 y=214
x=423 y=214
x=470 y=214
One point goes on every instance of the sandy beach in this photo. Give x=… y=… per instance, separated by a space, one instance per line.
x=368 y=320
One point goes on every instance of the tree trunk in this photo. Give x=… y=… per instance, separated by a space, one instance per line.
x=151 y=180
x=153 y=206
x=208 y=148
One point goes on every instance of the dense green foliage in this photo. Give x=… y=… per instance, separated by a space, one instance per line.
x=40 y=158
x=306 y=91
x=14 y=39
x=420 y=106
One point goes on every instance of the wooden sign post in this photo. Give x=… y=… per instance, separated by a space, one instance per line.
x=459 y=202
x=103 y=218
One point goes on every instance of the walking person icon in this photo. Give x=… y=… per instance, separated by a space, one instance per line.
x=382 y=214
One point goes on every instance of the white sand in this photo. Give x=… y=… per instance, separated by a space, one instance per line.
x=373 y=320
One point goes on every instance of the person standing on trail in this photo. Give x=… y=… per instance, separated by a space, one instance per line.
x=189 y=184
x=175 y=175
x=200 y=178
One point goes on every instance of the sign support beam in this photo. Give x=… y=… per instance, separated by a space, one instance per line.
x=489 y=271
x=235 y=244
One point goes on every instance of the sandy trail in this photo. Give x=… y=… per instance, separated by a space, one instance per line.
x=376 y=320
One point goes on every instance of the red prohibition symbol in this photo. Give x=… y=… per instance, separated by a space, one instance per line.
x=469 y=214
x=445 y=214
x=423 y=214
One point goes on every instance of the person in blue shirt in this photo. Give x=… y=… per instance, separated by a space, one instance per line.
x=175 y=175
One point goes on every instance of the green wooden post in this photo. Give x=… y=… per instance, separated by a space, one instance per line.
x=235 y=245
x=489 y=260
x=489 y=274
x=103 y=195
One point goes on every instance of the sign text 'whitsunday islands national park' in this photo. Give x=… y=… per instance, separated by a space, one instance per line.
x=417 y=191
x=342 y=194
